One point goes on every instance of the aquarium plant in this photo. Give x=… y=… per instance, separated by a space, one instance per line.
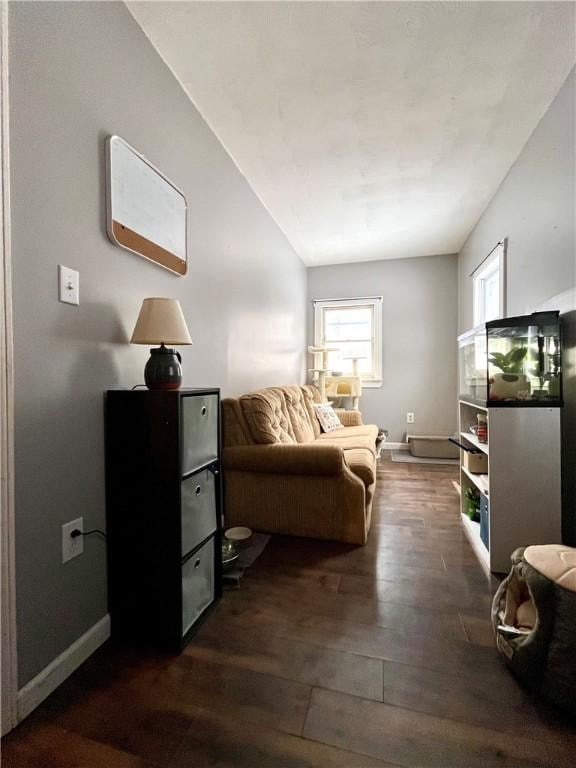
x=510 y=363
x=473 y=504
x=512 y=383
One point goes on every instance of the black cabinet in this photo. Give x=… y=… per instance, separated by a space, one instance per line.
x=164 y=512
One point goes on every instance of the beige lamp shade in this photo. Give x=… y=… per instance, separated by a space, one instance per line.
x=161 y=321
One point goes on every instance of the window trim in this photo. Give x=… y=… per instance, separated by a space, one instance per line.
x=376 y=303
x=497 y=256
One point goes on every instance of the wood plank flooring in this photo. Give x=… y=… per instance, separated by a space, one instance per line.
x=329 y=656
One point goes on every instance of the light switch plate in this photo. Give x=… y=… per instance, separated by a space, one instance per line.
x=68 y=285
x=72 y=547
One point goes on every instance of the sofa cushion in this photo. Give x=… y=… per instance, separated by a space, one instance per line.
x=267 y=417
x=362 y=462
x=369 y=431
x=346 y=443
x=298 y=413
x=349 y=418
x=359 y=454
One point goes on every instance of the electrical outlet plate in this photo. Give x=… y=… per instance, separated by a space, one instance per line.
x=68 y=285
x=72 y=547
x=410 y=417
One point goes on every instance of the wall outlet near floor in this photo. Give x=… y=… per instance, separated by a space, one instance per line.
x=410 y=417
x=72 y=546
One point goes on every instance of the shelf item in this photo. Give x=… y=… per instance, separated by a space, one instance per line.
x=481 y=429
x=475 y=463
x=513 y=362
x=163 y=506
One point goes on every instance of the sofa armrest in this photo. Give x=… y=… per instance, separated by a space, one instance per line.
x=286 y=459
x=349 y=418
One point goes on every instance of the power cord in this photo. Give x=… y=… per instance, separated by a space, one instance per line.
x=77 y=532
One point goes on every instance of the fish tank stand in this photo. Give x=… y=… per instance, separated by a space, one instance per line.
x=510 y=379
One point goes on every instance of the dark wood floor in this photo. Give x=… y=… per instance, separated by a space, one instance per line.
x=329 y=656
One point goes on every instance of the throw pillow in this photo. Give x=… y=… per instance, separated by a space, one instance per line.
x=327 y=417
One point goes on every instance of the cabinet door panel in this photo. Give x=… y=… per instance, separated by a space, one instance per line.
x=198 y=509
x=199 y=431
x=197 y=584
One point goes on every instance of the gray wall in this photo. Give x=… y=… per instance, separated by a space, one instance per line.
x=535 y=209
x=419 y=318
x=80 y=71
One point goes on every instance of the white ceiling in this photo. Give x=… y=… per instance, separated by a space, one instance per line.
x=369 y=130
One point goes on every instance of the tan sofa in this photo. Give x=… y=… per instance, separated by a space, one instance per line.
x=283 y=475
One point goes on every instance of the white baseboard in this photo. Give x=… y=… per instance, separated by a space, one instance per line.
x=45 y=682
x=395 y=446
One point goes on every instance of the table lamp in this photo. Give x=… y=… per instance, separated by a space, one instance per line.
x=161 y=321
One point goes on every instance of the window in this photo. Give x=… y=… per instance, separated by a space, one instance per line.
x=489 y=286
x=354 y=326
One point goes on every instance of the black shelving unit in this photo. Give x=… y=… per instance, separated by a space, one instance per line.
x=164 y=512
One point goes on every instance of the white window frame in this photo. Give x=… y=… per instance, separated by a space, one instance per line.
x=375 y=302
x=494 y=262
x=8 y=649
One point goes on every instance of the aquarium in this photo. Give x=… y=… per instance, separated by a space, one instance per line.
x=473 y=380
x=524 y=359
x=515 y=361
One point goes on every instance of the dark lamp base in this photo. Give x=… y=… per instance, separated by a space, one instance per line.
x=163 y=370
